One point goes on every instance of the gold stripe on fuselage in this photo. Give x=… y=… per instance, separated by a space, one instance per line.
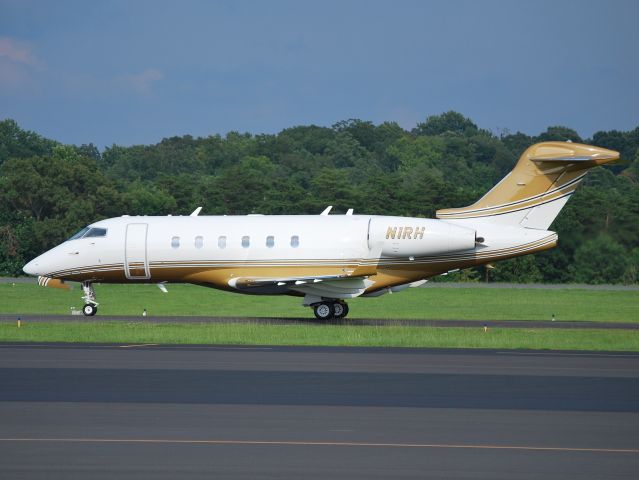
x=385 y=272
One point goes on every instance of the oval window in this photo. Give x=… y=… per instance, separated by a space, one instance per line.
x=270 y=241
x=199 y=241
x=175 y=242
x=246 y=241
x=295 y=241
x=221 y=242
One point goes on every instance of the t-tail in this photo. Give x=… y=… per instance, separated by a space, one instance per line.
x=536 y=190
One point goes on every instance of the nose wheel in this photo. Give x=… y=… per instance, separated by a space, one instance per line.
x=91 y=306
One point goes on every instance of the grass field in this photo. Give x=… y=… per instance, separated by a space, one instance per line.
x=421 y=303
x=415 y=303
x=252 y=334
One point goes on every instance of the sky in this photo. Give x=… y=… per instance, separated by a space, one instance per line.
x=134 y=72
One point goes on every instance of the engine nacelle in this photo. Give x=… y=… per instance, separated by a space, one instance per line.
x=406 y=237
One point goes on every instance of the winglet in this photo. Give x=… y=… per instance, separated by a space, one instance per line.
x=196 y=212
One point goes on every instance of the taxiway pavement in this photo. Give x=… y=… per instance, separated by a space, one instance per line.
x=356 y=322
x=126 y=411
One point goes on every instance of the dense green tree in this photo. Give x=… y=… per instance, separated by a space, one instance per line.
x=626 y=143
x=48 y=190
x=599 y=260
x=449 y=122
x=44 y=199
x=559 y=133
x=15 y=142
x=521 y=269
x=517 y=143
x=143 y=198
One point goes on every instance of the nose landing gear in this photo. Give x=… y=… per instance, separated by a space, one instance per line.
x=326 y=310
x=91 y=306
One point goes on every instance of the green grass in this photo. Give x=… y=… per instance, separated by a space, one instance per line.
x=429 y=303
x=324 y=335
x=414 y=303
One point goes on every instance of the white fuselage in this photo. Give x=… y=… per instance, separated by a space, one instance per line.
x=282 y=254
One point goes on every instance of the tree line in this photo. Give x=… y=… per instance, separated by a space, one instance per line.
x=49 y=190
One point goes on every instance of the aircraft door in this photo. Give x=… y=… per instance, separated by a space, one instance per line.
x=136 y=265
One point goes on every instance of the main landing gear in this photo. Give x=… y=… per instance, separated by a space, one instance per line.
x=91 y=306
x=326 y=310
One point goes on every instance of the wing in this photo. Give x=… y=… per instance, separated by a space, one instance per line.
x=329 y=286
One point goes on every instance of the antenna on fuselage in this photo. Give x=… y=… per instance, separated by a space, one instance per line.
x=327 y=210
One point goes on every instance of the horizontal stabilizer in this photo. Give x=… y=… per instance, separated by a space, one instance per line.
x=583 y=155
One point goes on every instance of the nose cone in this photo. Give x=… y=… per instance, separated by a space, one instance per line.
x=31 y=268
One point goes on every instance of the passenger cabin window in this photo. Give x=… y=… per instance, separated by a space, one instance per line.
x=96 y=232
x=295 y=241
x=270 y=241
x=175 y=242
x=246 y=241
x=221 y=241
x=199 y=241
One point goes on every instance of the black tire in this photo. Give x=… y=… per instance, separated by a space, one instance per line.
x=324 y=311
x=89 y=310
x=341 y=309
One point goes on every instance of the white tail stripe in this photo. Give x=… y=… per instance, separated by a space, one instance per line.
x=471 y=214
x=493 y=210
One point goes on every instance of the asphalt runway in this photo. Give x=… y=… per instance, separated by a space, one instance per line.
x=167 y=412
x=356 y=322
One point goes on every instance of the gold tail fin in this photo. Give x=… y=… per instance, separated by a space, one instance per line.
x=534 y=192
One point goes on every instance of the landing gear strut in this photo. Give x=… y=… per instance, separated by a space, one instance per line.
x=91 y=306
x=326 y=310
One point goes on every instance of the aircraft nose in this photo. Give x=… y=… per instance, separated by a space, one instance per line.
x=31 y=268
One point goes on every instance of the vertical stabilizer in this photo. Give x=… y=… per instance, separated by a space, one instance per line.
x=536 y=190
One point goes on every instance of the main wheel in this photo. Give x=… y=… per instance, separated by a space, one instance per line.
x=324 y=311
x=89 y=310
x=341 y=309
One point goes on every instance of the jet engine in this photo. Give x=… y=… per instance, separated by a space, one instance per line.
x=406 y=237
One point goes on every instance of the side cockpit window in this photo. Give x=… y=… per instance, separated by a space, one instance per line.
x=96 y=232
x=87 y=232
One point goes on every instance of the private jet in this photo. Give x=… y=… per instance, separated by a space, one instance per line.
x=326 y=259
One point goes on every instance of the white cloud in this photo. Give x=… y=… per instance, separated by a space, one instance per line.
x=17 y=65
x=142 y=82
x=17 y=52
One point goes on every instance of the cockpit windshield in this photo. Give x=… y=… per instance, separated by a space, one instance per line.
x=89 y=232
x=80 y=234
